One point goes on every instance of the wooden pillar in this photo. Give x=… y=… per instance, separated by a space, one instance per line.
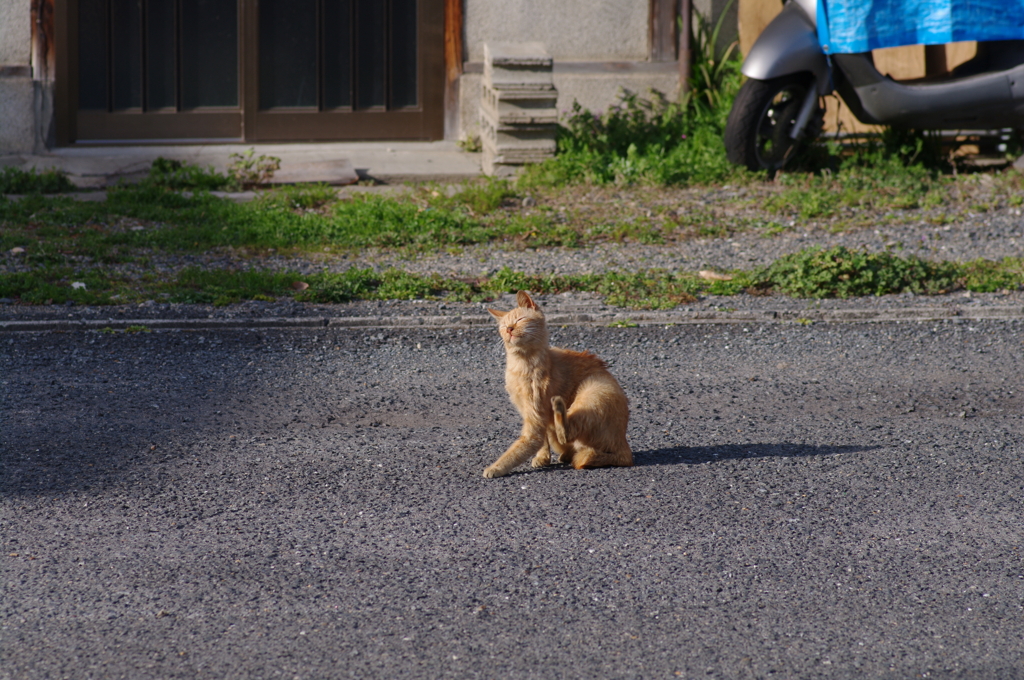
x=453 y=56
x=685 y=16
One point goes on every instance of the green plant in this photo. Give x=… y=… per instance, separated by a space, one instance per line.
x=871 y=176
x=986 y=276
x=298 y=197
x=711 y=69
x=480 y=197
x=17 y=181
x=637 y=141
x=174 y=174
x=221 y=287
x=841 y=272
x=248 y=170
x=471 y=144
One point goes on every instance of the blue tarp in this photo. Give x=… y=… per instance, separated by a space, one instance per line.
x=862 y=25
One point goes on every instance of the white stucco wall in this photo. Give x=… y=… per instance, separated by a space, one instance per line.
x=15 y=32
x=17 y=117
x=572 y=30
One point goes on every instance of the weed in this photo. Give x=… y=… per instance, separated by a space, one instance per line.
x=813 y=273
x=249 y=171
x=638 y=141
x=471 y=144
x=986 y=276
x=222 y=287
x=298 y=198
x=17 y=181
x=138 y=328
x=480 y=197
x=173 y=174
x=710 y=68
x=623 y=323
x=841 y=272
x=873 y=177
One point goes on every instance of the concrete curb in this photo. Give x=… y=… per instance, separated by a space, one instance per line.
x=617 y=318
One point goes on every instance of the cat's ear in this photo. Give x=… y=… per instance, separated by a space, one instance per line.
x=524 y=300
x=496 y=314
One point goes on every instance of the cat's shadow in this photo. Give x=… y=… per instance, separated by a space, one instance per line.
x=695 y=455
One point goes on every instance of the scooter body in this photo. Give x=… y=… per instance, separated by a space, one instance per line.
x=788 y=48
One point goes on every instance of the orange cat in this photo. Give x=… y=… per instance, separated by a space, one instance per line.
x=570 y=404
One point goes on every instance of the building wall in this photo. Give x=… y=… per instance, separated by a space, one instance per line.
x=15 y=32
x=17 y=121
x=599 y=48
x=572 y=30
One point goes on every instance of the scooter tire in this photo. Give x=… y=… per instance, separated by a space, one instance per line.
x=762 y=116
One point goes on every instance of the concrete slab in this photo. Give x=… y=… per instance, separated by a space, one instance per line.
x=332 y=162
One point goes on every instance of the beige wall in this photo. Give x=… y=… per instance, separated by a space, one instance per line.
x=572 y=30
x=15 y=32
x=17 y=118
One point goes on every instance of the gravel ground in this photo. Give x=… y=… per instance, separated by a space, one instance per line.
x=564 y=303
x=955 y=233
x=965 y=236
x=989 y=236
x=809 y=502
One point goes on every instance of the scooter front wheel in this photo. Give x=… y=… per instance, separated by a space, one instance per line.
x=757 y=132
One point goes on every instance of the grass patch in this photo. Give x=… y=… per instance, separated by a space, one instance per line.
x=640 y=141
x=172 y=174
x=56 y=285
x=17 y=181
x=873 y=176
x=478 y=198
x=223 y=287
x=842 y=273
x=812 y=273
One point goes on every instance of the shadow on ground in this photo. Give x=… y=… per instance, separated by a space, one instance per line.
x=694 y=455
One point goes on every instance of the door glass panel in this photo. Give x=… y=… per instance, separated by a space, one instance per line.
x=92 y=54
x=287 y=47
x=209 y=53
x=371 y=55
x=337 y=37
x=126 y=52
x=160 y=54
x=403 y=53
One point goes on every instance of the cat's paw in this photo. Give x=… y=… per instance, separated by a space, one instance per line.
x=542 y=459
x=492 y=472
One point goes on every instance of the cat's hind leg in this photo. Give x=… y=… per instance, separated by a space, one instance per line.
x=589 y=457
x=560 y=452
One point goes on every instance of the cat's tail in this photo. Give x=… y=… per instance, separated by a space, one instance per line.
x=558 y=405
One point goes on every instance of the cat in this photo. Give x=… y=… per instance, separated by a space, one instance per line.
x=570 y=404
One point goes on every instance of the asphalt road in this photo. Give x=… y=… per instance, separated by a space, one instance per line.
x=825 y=501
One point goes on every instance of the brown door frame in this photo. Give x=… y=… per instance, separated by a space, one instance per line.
x=247 y=123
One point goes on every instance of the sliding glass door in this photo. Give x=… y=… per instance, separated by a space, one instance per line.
x=254 y=70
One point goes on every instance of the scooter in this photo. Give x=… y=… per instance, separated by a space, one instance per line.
x=778 y=108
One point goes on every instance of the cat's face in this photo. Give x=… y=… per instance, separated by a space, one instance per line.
x=523 y=328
